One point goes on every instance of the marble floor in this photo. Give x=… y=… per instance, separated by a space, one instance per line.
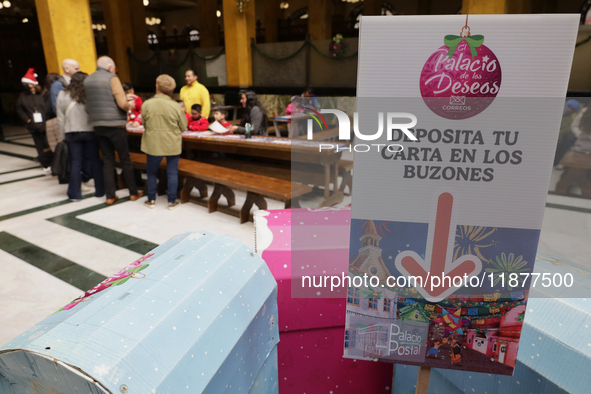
x=52 y=249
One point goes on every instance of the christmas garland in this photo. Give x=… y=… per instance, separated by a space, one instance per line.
x=306 y=43
x=191 y=52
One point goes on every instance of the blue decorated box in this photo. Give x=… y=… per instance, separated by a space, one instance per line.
x=555 y=352
x=197 y=314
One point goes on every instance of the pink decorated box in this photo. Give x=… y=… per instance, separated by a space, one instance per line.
x=312 y=328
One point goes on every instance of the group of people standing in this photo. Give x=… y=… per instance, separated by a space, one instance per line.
x=164 y=122
x=196 y=101
x=92 y=112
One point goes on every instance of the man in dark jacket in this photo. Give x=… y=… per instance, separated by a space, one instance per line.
x=107 y=106
x=30 y=108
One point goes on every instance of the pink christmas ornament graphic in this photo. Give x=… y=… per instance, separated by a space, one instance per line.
x=462 y=78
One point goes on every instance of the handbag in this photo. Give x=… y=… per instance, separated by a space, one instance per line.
x=53 y=132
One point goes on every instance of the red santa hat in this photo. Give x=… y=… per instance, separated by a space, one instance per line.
x=30 y=77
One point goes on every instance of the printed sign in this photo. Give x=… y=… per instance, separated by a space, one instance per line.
x=444 y=232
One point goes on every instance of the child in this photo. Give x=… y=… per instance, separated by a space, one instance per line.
x=182 y=104
x=198 y=122
x=134 y=115
x=220 y=116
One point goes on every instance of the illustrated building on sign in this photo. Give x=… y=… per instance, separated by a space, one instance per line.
x=369 y=260
x=370 y=336
x=373 y=340
x=381 y=304
x=370 y=333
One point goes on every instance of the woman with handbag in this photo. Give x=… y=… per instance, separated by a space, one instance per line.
x=80 y=137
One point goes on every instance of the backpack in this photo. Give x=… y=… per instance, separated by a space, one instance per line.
x=61 y=163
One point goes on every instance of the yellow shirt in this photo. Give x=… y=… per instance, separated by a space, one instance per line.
x=196 y=94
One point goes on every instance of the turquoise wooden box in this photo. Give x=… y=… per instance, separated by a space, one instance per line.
x=197 y=314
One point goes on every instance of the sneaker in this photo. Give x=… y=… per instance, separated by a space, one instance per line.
x=75 y=199
x=85 y=189
x=150 y=204
x=173 y=205
x=47 y=170
x=90 y=183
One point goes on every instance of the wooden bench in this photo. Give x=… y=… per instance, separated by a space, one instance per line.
x=139 y=161
x=225 y=181
x=301 y=173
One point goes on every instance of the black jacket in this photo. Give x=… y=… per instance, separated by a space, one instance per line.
x=27 y=104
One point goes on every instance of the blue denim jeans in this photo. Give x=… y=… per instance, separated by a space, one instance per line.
x=84 y=157
x=172 y=171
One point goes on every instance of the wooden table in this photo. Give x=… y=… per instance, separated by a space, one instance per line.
x=300 y=156
x=289 y=119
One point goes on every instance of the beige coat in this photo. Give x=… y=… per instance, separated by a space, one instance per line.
x=164 y=121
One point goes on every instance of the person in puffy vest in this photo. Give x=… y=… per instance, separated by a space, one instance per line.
x=107 y=106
